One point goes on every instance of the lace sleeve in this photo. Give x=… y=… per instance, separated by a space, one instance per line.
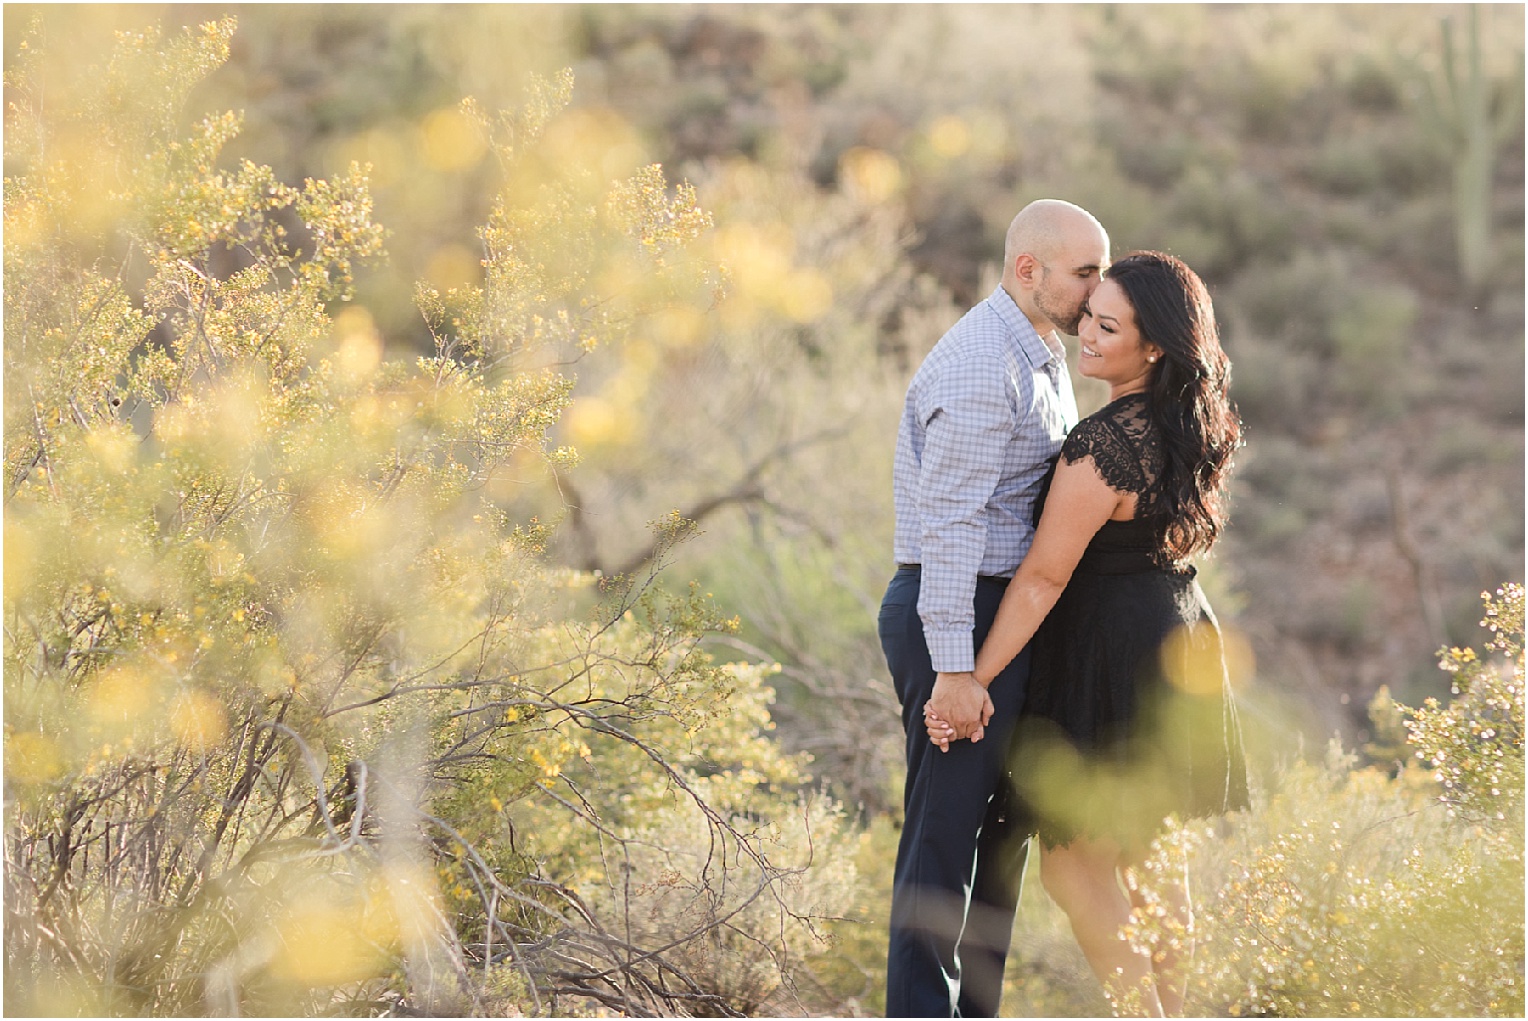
x=1117 y=460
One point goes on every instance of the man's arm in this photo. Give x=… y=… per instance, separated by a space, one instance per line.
x=968 y=424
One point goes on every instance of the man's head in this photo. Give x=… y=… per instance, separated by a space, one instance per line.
x=1053 y=257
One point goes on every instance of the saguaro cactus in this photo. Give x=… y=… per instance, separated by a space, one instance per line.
x=1459 y=106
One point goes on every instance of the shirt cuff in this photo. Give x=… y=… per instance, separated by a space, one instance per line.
x=952 y=652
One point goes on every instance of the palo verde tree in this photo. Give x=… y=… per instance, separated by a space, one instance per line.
x=297 y=717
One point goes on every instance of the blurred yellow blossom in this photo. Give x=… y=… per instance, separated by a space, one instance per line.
x=321 y=945
x=198 y=720
x=452 y=141
x=950 y=136
x=871 y=174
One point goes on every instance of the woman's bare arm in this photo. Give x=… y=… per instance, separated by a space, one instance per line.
x=1078 y=505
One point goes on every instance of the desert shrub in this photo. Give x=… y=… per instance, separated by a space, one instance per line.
x=1376 y=327
x=1356 y=892
x=299 y=719
x=1271 y=381
x=1224 y=218
x=791 y=381
x=1475 y=743
x=1294 y=301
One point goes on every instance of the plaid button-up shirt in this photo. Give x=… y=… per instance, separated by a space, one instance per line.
x=985 y=413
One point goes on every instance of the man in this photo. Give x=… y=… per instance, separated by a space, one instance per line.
x=985 y=414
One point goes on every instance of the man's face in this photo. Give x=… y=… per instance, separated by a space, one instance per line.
x=1068 y=278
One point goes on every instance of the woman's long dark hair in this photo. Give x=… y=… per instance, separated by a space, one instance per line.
x=1186 y=397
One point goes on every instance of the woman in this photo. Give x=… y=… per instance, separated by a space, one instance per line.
x=1128 y=717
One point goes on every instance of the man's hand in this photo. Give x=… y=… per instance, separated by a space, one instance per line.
x=962 y=702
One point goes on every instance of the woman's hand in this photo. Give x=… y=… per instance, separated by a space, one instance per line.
x=963 y=703
x=941 y=732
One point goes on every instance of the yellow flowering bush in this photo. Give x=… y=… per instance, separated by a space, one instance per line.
x=298 y=717
x=1475 y=744
x=1353 y=892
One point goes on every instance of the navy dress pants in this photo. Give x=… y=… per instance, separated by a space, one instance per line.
x=964 y=840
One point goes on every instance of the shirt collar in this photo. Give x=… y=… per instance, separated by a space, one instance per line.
x=1031 y=343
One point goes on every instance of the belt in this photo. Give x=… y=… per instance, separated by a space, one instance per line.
x=980 y=577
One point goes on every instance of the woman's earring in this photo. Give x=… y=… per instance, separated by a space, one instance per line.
x=1152 y=359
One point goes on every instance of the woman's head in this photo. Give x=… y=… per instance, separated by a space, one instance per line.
x=1186 y=374
x=1112 y=347
x=1175 y=319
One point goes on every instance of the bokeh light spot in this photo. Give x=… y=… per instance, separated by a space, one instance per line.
x=677 y=326
x=359 y=349
x=599 y=138
x=122 y=698
x=807 y=296
x=454 y=266
x=870 y=174
x=591 y=421
x=452 y=143
x=1196 y=663
x=755 y=252
x=382 y=150
x=113 y=450
x=413 y=909
x=197 y=720
x=32 y=758
x=320 y=946
x=950 y=136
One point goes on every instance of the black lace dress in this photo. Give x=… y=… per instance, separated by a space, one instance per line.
x=1128 y=716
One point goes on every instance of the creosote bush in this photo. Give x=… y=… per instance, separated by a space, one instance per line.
x=298 y=717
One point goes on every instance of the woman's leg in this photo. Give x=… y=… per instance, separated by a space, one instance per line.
x=1083 y=878
x=1171 y=958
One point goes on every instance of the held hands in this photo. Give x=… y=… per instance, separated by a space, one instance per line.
x=958 y=708
x=940 y=732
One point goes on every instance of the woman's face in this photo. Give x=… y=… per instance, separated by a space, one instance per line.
x=1112 y=348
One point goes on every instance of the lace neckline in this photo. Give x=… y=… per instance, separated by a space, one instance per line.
x=1124 y=447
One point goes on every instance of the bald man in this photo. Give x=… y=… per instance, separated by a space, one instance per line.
x=985 y=415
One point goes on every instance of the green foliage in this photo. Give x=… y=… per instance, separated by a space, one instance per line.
x=791 y=381
x=1375 y=327
x=1354 y=892
x=1280 y=150
x=298 y=718
x=237 y=502
x=1475 y=743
